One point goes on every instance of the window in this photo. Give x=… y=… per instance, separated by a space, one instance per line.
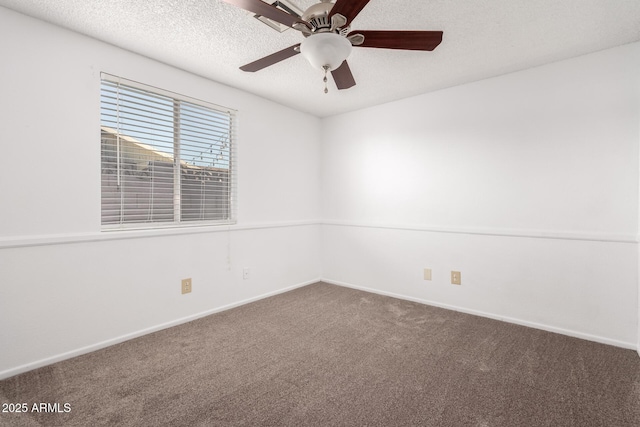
x=167 y=159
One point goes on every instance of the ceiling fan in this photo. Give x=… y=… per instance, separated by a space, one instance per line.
x=329 y=39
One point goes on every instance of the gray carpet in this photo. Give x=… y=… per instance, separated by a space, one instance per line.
x=324 y=355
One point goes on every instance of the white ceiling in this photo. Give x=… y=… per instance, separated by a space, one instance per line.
x=482 y=38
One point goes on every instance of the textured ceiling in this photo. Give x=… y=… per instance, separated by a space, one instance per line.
x=482 y=38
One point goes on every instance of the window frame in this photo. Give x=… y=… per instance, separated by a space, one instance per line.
x=177 y=162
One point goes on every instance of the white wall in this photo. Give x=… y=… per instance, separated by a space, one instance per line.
x=67 y=288
x=526 y=183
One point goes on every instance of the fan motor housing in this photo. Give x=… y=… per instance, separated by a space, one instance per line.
x=318 y=16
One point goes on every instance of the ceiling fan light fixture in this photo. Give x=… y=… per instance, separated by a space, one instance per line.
x=326 y=26
x=326 y=50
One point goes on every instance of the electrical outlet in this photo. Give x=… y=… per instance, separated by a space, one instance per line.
x=186 y=286
x=456 y=278
x=427 y=274
x=245 y=273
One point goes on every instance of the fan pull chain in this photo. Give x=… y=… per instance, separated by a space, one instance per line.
x=326 y=68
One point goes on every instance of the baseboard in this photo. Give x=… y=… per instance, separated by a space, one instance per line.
x=98 y=346
x=548 y=328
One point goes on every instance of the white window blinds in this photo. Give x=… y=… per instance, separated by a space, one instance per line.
x=166 y=159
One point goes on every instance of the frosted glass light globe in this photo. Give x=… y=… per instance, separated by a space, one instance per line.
x=326 y=49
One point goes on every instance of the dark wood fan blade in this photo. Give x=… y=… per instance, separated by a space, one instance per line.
x=272 y=59
x=266 y=10
x=409 y=40
x=348 y=8
x=343 y=77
